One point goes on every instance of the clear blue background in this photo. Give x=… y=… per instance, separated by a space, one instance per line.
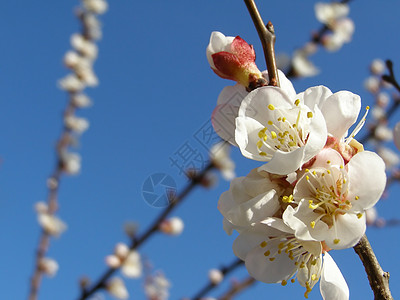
x=156 y=91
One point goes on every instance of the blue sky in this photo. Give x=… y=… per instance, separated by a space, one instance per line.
x=156 y=91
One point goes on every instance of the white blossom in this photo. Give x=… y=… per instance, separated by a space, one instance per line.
x=41 y=207
x=157 y=287
x=372 y=84
x=96 y=6
x=71 y=83
x=332 y=198
x=286 y=132
x=390 y=157
x=84 y=46
x=378 y=113
x=302 y=66
x=81 y=100
x=71 y=162
x=219 y=154
x=113 y=261
x=76 y=124
x=383 y=133
x=251 y=199
x=51 y=224
x=116 y=288
x=172 y=226
x=383 y=99
x=72 y=59
x=215 y=276
x=121 y=250
x=48 y=266
x=377 y=66
x=327 y=13
x=228 y=104
x=272 y=254
x=132 y=266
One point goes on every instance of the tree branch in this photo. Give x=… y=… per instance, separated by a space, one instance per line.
x=378 y=279
x=237 y=288
x=267 y=37
x=224 y=270
x=137 y=242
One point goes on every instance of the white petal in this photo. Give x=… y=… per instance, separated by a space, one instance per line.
x=218 y=42
x=284 y=162
x=367 y=179
x=246 y=136
x=327 y=155
x=262 y=269
x=285 y=83
x=318 y=135
x=341 y=111
x=251 y=238
x=332 y=286
x=315 y=95
x=349 y=230
x=255 y=104
x=224 y=115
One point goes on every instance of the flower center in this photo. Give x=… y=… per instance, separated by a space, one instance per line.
x=287 y=132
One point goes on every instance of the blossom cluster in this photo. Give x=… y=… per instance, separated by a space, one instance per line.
x=337 y=29
x=80 y=61
x=314 y=183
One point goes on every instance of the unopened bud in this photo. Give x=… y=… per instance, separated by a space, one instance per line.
x=113 y=261
x=131 y=228
x=121 y=250
x=232 y=58
x=215 y=276
x=48 y=266
x=172 y=226
x=372 y=84
x=377 y=66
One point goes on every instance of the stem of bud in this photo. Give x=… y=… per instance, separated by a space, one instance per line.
x=267 y=37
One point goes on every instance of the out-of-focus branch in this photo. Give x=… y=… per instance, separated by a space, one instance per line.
x=80 y=61
x=153 y=228
x=267 y=37
x=224 y=270
x=237 y=288
x=378 y=279
x=390 y=78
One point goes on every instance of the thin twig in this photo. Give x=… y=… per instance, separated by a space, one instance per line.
x=154 y=227
x=210 y=285
x=393 y=107
x=378 y=279
x=64 y=141
x=267 y=37
x=237 y=288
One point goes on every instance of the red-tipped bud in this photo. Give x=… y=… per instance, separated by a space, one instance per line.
x=234 y=59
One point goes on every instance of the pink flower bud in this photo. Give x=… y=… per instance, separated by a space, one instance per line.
x=234 y=59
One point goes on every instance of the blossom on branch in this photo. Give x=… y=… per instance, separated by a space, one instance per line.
x=232 y=58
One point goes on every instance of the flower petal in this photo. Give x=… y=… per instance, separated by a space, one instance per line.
x=367 y=180
x=224 y=115
x=348 y=230
x=315 y=95
x=332 y=286
x=341 y=111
